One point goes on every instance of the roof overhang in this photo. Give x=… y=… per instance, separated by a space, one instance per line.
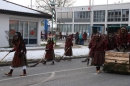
x=10 y=12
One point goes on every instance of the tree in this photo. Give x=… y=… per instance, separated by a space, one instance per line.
x=44 y=5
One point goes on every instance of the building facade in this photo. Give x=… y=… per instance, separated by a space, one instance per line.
x=82 y=19
x=17 y=18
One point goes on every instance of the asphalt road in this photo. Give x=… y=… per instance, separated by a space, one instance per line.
x=64 y=73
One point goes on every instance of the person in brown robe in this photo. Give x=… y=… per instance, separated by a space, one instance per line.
x=111 y=42
x=19 y=58
x=85 y=36
x=123 y=39
x=68 y=48
x=97 y=52
x=49 y=56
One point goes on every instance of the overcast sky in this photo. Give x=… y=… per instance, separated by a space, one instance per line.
x=77 y=2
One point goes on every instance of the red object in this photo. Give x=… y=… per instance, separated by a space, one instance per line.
x=32 y=32
x=12 y=32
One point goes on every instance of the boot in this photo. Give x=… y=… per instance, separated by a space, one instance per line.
x=52 y=63
x=24 y=73
x=10 y=73
x=84 y=60
x=44 y=63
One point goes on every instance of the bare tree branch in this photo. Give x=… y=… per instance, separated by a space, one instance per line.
x=44 y=5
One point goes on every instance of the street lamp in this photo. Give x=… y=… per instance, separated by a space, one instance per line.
x=53 y=12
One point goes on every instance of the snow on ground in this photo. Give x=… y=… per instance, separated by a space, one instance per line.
x=38 y=54
x=57 y=43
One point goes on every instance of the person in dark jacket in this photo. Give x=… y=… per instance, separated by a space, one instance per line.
x=77 y=38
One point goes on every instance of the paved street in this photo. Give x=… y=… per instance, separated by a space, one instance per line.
x=64 y=73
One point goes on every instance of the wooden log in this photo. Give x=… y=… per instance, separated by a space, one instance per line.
x=116 y=61
x=117 y=58
x=117 y=54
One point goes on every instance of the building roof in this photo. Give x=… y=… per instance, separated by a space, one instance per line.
x=7 y=7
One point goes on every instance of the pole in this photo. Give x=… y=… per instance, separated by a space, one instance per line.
x=121 y=12
x=52 y=21
x=31 y=3
x=90 y=18
x=107 y=18
x=52 y=17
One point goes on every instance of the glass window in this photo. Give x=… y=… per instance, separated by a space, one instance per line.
x=99 y=16
x=69 y=27
x=114 y=15
x=25 y=29
x=21 y=26
x=125 y=14
x=76 y=15
x=13 y=25
x=59 y=15
x=70 y=15
x=83 y=14
x=64 y=15
x=33 y=30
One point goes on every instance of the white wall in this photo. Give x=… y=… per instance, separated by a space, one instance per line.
x=4 y=26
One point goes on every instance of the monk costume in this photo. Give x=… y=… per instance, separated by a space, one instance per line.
x=19 y=58
x=123 y=40
x=97 y=52
x=68 y=48
x=49 y=56
x=111 y=42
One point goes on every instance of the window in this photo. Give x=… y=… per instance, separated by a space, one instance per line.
x=99 y=16
x=114 y=15
x=81 y=28
x=70 y=15
x=65 y=27
x=125 y=15
x=82 y=15
x=64 y=15
x=13 y=25
x=33 y=30
x=59 y=16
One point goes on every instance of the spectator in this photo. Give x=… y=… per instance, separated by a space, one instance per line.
x=77 y=38
x=81 y=39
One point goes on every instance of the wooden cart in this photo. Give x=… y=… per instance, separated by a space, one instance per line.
x=117 y=58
